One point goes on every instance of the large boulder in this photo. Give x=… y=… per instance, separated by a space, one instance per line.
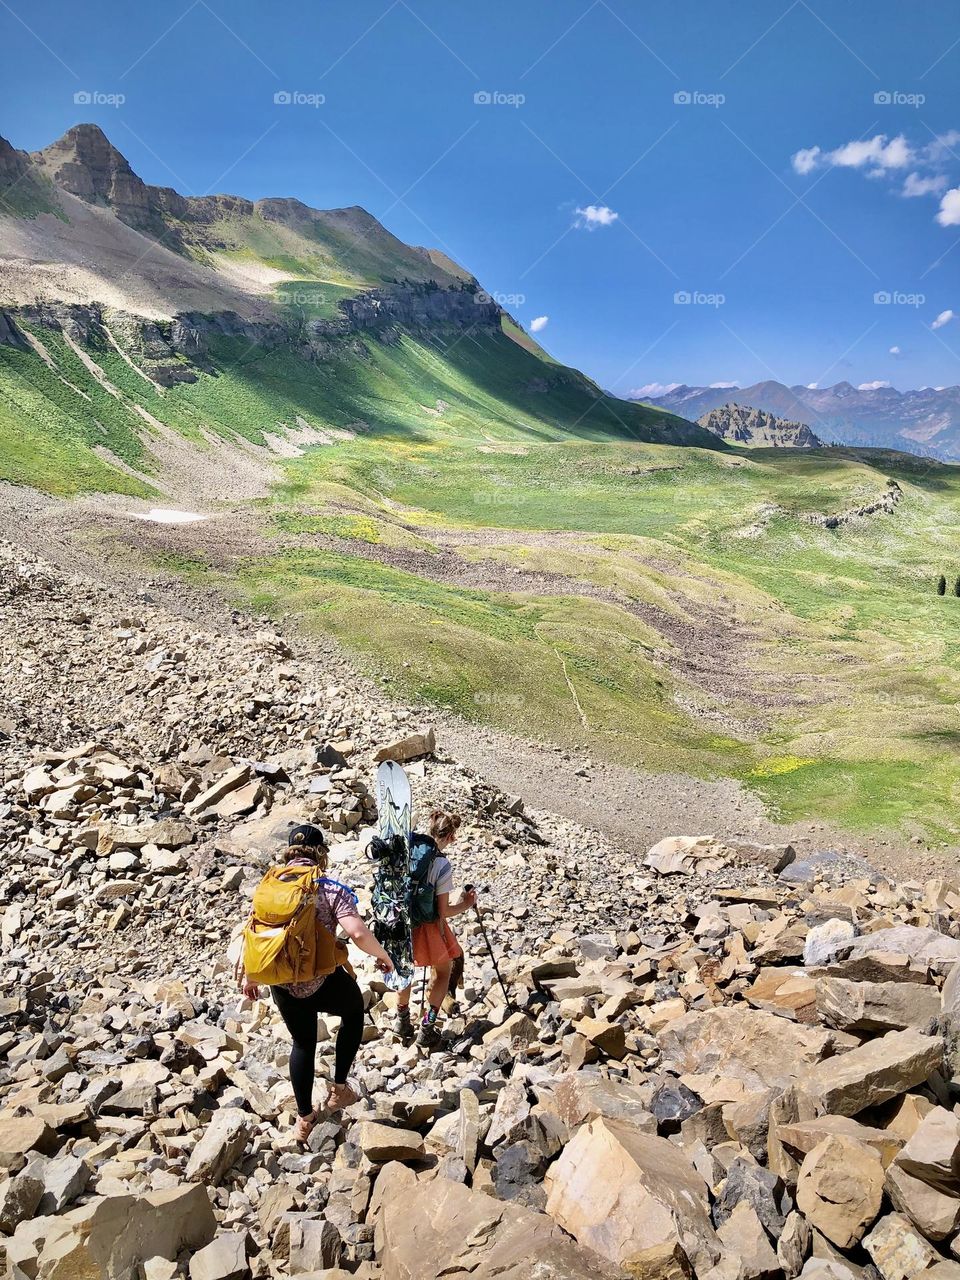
x=922 y=945
x=876 y=1006
x=826 y=941
x=585 y=1095
x=934 y=1212
x=898 y=1250
x=410 y=748
x=683 y=855
x=932 y=1153
x=745 y=1240
x=221 y=1146
x=634 y=1198
x=873 y=1073
x=107 y=1238
x=425 y=1230
x=759 y=1049
x=840 y=1189
x=224 y=1258
x=20 y=1135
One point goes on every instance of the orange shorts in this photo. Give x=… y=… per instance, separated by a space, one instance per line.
x=435 y=944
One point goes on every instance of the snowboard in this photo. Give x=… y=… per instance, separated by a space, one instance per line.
x=390 y=851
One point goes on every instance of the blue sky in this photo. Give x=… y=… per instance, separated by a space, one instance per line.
x=623 y=156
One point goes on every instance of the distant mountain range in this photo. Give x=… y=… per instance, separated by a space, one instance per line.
x=757 y=428
x=925 y=421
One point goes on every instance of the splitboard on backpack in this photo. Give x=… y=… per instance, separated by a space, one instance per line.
x=390 y=852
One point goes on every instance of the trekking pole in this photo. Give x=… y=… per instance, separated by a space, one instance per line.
x=493 y=958
x=423 y=995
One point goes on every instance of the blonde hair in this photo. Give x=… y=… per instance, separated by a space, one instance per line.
x=311 y=853
x=443 y=825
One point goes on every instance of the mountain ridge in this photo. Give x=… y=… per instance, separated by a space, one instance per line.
x=924 y=421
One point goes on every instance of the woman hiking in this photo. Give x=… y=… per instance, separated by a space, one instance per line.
x=336 y=993
x=434 y=944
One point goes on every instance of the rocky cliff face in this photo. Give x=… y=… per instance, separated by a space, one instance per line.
x=742 y=425
x=165 y=346
x=85 y=163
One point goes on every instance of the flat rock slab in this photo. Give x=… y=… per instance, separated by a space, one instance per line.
x=875 y=1072
x=759 y=1049
x=381 y=1142
x=876 y=1006
x=805 y=1135
x=922 y=945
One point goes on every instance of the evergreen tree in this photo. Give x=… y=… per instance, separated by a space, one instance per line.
x=941 y=586
x=956 y=587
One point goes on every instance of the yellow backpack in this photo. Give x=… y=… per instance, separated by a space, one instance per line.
x=283 y=940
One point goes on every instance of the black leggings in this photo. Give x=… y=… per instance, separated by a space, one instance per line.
x=339 y=995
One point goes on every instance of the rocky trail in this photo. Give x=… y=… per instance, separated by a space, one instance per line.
x=722 y=1057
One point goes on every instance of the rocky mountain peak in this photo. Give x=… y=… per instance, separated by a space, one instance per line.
x=741 y=424
x=85 y=163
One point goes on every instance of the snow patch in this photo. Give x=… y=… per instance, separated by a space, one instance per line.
x=165 y=515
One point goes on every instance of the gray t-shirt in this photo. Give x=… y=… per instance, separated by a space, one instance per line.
x=441 y=875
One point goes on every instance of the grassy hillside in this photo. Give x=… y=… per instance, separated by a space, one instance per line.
x=345 y=247
x=61 y=423
x=677 y=609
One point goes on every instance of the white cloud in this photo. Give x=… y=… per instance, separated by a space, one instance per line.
x=882 y=157
x=915 y=185
x=878 y=152
x=895 y=351
x=653 y=389
x=596 y=215
x=949 y=215
x=723 y=386
x=943 y=318
x=812 y=386
x=872 y=386
x=806 y=159
x=539 y=323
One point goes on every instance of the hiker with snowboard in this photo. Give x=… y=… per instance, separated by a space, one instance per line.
x=434 y=943
x=291 y=945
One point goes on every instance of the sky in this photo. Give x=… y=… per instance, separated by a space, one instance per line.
x=707 y=191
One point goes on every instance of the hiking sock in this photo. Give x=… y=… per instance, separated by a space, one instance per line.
x=431 y=1016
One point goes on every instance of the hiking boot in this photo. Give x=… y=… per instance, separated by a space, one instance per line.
x=429 y=1036
x=403 y=1025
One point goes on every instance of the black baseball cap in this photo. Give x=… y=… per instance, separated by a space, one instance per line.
x=306 y=837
